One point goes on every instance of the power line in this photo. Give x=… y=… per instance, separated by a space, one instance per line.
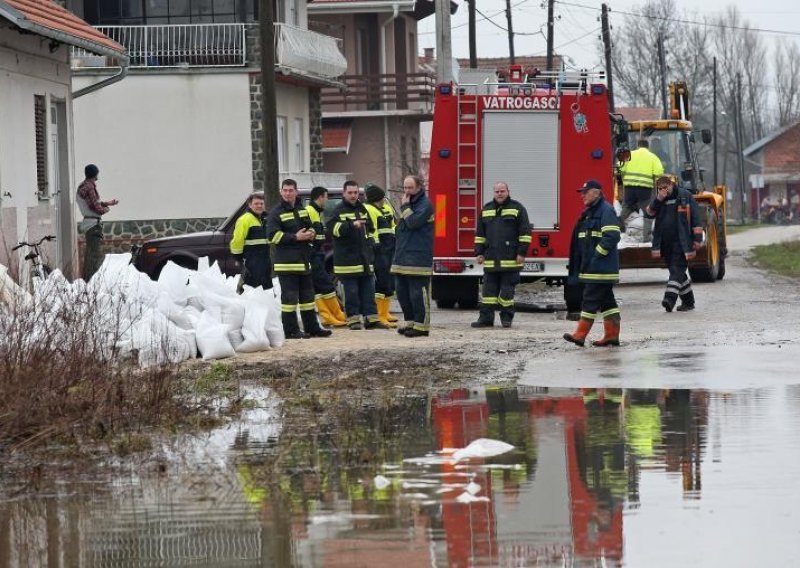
x=684 y=21
x=495 y=24
x=485 y=17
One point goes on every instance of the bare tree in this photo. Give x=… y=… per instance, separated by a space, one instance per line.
x=787 y=81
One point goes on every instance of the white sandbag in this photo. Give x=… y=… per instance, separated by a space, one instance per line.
x=212 y=338
x=254 y=326
x=10 y=293
x=274 y=325
x=236 y=338
x=174 y=280
x=180 y=316
x=212 y=280
x=228 y=310
x=482 y=448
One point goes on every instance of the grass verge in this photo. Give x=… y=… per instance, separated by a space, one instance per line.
x=782 y=258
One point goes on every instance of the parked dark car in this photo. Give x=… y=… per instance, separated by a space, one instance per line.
x=185 y=250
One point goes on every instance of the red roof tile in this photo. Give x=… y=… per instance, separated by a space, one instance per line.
x=335 y=138
x=48 y=14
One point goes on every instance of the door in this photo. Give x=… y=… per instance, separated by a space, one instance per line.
x=61 y=190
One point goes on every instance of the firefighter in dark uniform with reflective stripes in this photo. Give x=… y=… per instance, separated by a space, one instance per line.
x=594 y=261
x=382 y=216
x=354 y=239
x=413 y=258
x=249 y=244
x=324 y=289
x=289 y=229
x=502 y=238
x=676 y=237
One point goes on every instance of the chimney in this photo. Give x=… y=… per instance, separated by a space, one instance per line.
x=429 y=52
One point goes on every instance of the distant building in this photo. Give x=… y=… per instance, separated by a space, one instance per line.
x=778 y=178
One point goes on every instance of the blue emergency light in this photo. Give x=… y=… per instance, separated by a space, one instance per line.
x=444 y=153
x=598 y=89
x=597 y=154
x=445 y=89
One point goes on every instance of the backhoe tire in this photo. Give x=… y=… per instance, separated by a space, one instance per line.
x=709 y=272
x=723 y=248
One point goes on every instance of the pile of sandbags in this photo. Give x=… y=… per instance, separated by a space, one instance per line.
x=171 y=320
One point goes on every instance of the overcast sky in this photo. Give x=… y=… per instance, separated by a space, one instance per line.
x=578 y=26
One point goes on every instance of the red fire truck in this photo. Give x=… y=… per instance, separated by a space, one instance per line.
x=544 y=138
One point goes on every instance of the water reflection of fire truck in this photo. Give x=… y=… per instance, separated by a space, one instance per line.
x=561 y=508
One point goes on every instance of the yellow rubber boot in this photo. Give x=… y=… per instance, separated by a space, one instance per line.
x=389 y=317
x=383 y=311
x=325 y=314
x=335 y=309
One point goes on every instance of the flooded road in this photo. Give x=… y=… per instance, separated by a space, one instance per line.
x=597 y=477
x=679 y=448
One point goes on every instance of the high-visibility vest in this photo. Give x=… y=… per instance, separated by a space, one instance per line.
x=642 y=169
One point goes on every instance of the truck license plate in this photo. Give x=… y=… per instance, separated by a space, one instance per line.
x=531 y=266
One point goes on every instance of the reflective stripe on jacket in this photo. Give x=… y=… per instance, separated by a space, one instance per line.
x=593 y=255
x=353 y=253
x=413 y=254
x=642 y=169
x=283 y=223
x=503 y=232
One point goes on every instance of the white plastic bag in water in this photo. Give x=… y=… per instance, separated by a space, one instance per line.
x=212 y=338
x=482 y=448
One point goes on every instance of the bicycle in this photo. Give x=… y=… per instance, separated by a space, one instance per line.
x=39 y=270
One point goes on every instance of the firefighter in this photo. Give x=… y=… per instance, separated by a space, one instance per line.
x=249 y=244
x=638 y=179
x=676 y=237
x=354 y=239
x=413 y=258
x=382 y=216
x=502 y=238
x=324 y=289
x=289 y=229
x=594 y=261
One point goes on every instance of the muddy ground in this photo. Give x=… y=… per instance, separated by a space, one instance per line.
x=749 y=306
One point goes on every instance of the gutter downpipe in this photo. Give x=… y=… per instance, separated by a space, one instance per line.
x=123 y=72
x=384 y=65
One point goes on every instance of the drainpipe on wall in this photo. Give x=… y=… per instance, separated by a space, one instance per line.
x=123 y=71
x=384 y=66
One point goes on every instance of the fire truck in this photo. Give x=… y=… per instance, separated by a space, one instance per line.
x=544 y=135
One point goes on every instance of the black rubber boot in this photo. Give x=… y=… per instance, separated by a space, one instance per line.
x=506 y=318
x=311 y=324
x=668 y=303
x=290 y=326
x=485 y=318
x=687 y=302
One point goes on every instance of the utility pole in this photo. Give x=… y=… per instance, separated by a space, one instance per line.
x=662 y=65
x=714 y=120
x=550 y=28
x=444 y=51
x=739 y=143
x=269 y=111
x=510 y=33
x=473 y=50
x=606 y=34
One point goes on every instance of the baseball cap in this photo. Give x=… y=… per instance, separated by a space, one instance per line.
x=590 y=184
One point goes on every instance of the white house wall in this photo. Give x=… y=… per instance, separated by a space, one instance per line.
x=28 y=68
x=169 y=146
x=292 y=103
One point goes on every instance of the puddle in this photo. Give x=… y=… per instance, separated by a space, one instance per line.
x=597 y=477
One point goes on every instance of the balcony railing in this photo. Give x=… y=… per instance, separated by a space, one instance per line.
x=399 y=91
x=309 y=53
x=175 y=45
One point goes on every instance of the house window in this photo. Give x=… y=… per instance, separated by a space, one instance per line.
x=299 y=145
x=131 y=12
x=40 y=125
x=283 y=143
